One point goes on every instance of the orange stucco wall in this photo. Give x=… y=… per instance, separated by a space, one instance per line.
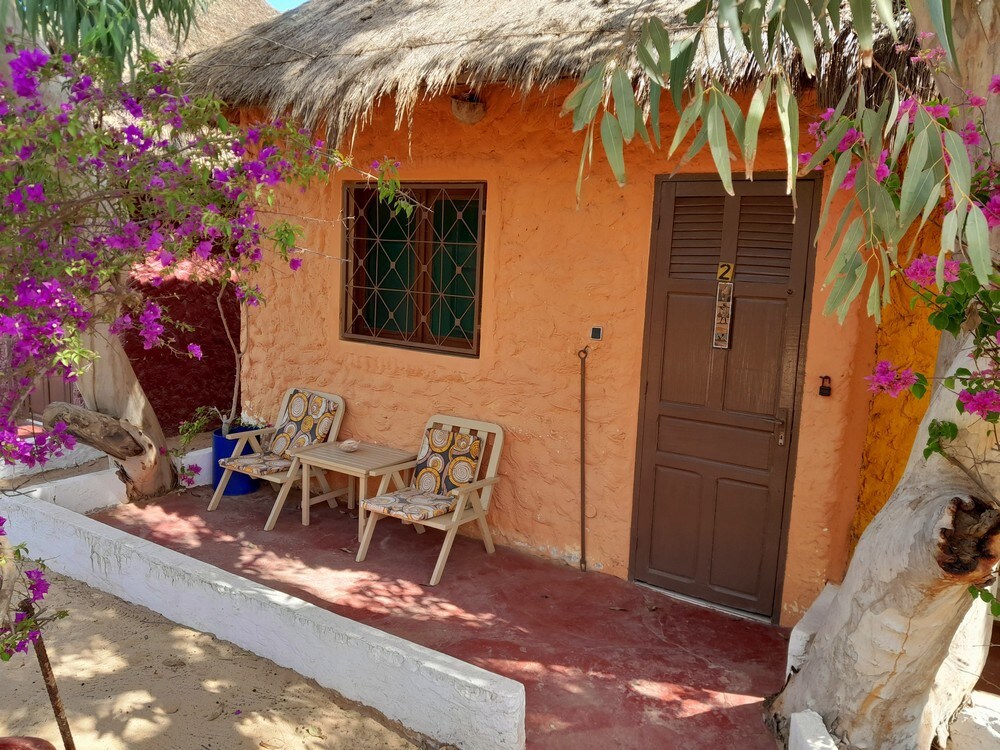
x=551 y=271
x=906 y=339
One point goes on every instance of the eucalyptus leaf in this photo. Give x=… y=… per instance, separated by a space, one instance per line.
x=625 y=107
x=977 y=239
x=611 y=139
x=717 y=141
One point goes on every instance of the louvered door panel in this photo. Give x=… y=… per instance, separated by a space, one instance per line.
x=696 y=243
x=764 y=241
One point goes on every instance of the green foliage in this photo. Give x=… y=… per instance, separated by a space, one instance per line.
x=986 y=596
x=939 y=433
x=111 y=29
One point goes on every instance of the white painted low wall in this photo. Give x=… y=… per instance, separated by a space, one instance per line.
x=102 y=489
x=429 y=692
x=808 y=732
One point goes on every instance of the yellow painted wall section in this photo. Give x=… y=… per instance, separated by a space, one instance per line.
x=906 y=339
x=551 y=271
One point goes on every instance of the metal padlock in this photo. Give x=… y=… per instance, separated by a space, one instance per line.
x=825 y=389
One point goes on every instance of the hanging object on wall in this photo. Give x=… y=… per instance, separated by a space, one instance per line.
x=723 y=306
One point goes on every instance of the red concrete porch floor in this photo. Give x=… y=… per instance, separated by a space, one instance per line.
x=606 y=664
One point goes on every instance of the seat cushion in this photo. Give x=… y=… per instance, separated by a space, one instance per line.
x=308 y=419
x=258 y=464
x=446 y=460
x=411 y=504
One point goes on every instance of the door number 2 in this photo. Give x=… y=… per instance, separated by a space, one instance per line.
x=725 y=272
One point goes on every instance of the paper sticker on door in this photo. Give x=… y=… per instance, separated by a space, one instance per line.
x=723 y=313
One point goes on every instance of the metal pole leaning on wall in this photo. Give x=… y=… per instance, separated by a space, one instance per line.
x=582 y=354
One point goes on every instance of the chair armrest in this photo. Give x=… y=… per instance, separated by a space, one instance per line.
x=395 y=467
x=249 y=433
x=465 y=489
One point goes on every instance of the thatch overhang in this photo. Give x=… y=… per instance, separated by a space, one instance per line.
x=216 y=22
x=333 y=61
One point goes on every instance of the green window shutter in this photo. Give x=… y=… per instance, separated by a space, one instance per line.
x=454 y=268
x=390 y=265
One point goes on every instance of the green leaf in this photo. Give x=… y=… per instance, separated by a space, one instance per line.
x=960 y=168
x=585 y=156
x=861 y=16
x=977 y=238
x=848 y=249
x=611 y=138
x=788 y=116
x=625 y=109
x=661 y=42
x=649 y=64
x=728 y=11
x=940 y=13
x=655 y=94
x=717 y=142
x=949 y=229
x=584 y=114
x=836 y=180
x=576 y=97
x=799 y=24
x=682 y=55
x=753 y=17
x=734 y=115
x=832 y=141
x=874 y=309
x=688 y=118
x=755 y=113
x=886 y=14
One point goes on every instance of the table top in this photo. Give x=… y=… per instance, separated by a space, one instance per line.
x=367 y=458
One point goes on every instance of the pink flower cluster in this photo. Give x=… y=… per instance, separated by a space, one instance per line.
x=923 y=270
x=981 y=403
x=888 y=379
x=77 y=214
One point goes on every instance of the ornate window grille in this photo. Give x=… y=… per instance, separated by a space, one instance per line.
x=415 y=281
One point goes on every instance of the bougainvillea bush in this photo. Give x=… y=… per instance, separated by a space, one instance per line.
x=24 y=627
x=930 y=161
x=97 y=179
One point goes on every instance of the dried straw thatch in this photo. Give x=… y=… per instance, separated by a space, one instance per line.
x=331 y=61
x=217 y=22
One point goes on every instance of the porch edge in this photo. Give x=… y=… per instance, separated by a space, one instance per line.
x=429 y=692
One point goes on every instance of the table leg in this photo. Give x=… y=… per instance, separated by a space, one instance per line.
x=306 y=472
x=362 y=495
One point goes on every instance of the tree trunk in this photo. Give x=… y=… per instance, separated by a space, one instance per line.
x=903 y=642
x=110 y=387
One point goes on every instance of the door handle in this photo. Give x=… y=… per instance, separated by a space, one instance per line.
x=780 y=423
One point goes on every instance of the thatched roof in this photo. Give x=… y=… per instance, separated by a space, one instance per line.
x=332 y=61
x=217 y=22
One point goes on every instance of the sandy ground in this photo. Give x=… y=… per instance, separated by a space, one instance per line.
x=131 y=679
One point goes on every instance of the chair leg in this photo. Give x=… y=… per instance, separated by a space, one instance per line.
x=220 y=489
x=278 y=505
x=366 y=538
x=484 y=529
x=449 y=539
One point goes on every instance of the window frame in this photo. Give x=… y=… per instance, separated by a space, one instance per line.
x=355 y=295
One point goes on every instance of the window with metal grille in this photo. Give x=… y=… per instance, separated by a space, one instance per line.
x=415 y=281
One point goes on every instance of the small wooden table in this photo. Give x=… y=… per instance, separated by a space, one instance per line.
x=368 y=461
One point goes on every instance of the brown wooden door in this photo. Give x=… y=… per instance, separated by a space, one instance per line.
x=717 y=422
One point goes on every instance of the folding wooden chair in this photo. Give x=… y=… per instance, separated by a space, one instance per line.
x=453 y=478
x=306 y=417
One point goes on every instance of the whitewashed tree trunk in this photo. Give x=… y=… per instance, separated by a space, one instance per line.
x=903 y=643
x=110 y=387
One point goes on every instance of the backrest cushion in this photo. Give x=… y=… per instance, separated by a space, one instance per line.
x=307 y=420
x=446 y=460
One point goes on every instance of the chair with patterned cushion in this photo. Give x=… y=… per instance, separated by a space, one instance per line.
x=453 y=478
x=306 y=417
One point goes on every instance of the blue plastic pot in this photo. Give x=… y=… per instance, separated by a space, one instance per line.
x=223 y=447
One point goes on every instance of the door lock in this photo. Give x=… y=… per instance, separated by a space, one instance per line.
x=779 y=423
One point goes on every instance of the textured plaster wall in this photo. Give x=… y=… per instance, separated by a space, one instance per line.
x=906 y=339
x=551 y=271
